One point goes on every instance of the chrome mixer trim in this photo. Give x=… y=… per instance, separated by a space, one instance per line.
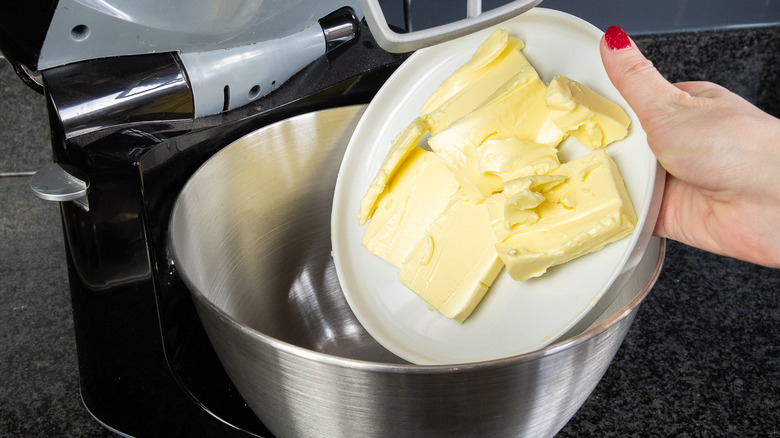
x=61 y=183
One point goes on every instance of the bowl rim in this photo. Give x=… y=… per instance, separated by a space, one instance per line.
x=366 y=365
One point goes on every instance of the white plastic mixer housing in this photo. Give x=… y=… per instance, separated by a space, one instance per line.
x=233 y=51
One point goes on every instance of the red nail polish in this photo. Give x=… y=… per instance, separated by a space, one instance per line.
x=616 y=38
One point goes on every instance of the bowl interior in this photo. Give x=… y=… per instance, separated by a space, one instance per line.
x=250 y=234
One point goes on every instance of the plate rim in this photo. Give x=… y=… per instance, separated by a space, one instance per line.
x=340 y=202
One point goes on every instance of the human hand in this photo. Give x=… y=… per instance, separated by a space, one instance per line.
x=722 y=155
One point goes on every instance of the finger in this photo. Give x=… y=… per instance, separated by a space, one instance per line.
x=635 y=77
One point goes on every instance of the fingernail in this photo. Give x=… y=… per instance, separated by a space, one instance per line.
x=616 y=38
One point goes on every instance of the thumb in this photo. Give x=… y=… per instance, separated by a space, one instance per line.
x=646 y=91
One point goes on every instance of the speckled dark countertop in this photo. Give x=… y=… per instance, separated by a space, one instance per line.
x=702 y=358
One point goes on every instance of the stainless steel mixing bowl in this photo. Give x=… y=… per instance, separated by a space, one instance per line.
x=250 y=235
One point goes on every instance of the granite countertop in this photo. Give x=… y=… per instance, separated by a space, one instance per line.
x=702 y=358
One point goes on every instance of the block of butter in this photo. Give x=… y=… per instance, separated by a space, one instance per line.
x=403 y=144
x=419 y=192
x=583 y=213
x=520 y=112
x=494 y=63
x=509 y=158
x=586 y=115
x=453 y=266
x=523 y=195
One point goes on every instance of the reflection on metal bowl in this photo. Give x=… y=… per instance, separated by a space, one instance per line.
x=250 y=234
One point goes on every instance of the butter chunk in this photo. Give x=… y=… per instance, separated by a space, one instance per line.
x=453 y=266
x=403 y=144
x=510 y=158
x=421 y=190
x=520 y=112
x=582 y=214
x=494 y=63
x=584 y=114
x=523 y=195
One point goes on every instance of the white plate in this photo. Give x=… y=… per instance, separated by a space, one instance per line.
x=514 y=317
